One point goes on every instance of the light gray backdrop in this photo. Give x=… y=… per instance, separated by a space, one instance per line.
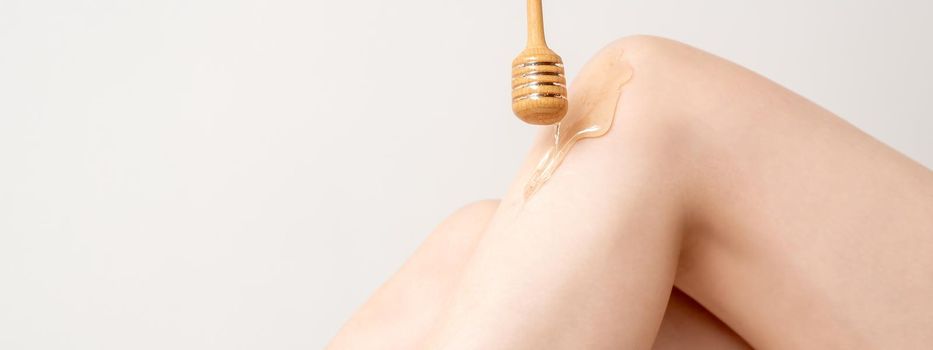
x=242 y=174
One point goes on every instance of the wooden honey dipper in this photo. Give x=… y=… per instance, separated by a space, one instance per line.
x=539 y=89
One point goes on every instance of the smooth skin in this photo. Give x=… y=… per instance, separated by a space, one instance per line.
x=405 y=308
x=791 y=226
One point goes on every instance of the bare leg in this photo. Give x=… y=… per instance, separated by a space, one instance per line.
x=793 y=227
x=403 y=310
x=399 y=314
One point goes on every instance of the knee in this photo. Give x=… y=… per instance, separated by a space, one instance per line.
x=678 y=93
x=673 y=83
x=657 y=67
x=652 y=109
x=677 y=83
x=664 y=114
x=648 y=49
x=649 y=114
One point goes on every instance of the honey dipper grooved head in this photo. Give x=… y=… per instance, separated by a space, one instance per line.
x=539 y=89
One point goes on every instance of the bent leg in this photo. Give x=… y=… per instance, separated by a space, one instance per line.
x=403 y=310
x=805 y=232
x=589 y=261
x=792 y=226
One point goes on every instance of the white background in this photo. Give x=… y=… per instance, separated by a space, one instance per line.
x=242 y=174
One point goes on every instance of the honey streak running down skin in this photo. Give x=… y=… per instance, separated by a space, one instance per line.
x=594 y=96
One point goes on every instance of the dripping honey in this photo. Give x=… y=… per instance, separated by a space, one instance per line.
x=594 y=96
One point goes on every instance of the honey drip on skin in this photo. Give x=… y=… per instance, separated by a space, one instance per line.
x=594 y=96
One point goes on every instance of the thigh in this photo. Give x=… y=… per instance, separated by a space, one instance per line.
x=804 y=232
x=402 y=311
